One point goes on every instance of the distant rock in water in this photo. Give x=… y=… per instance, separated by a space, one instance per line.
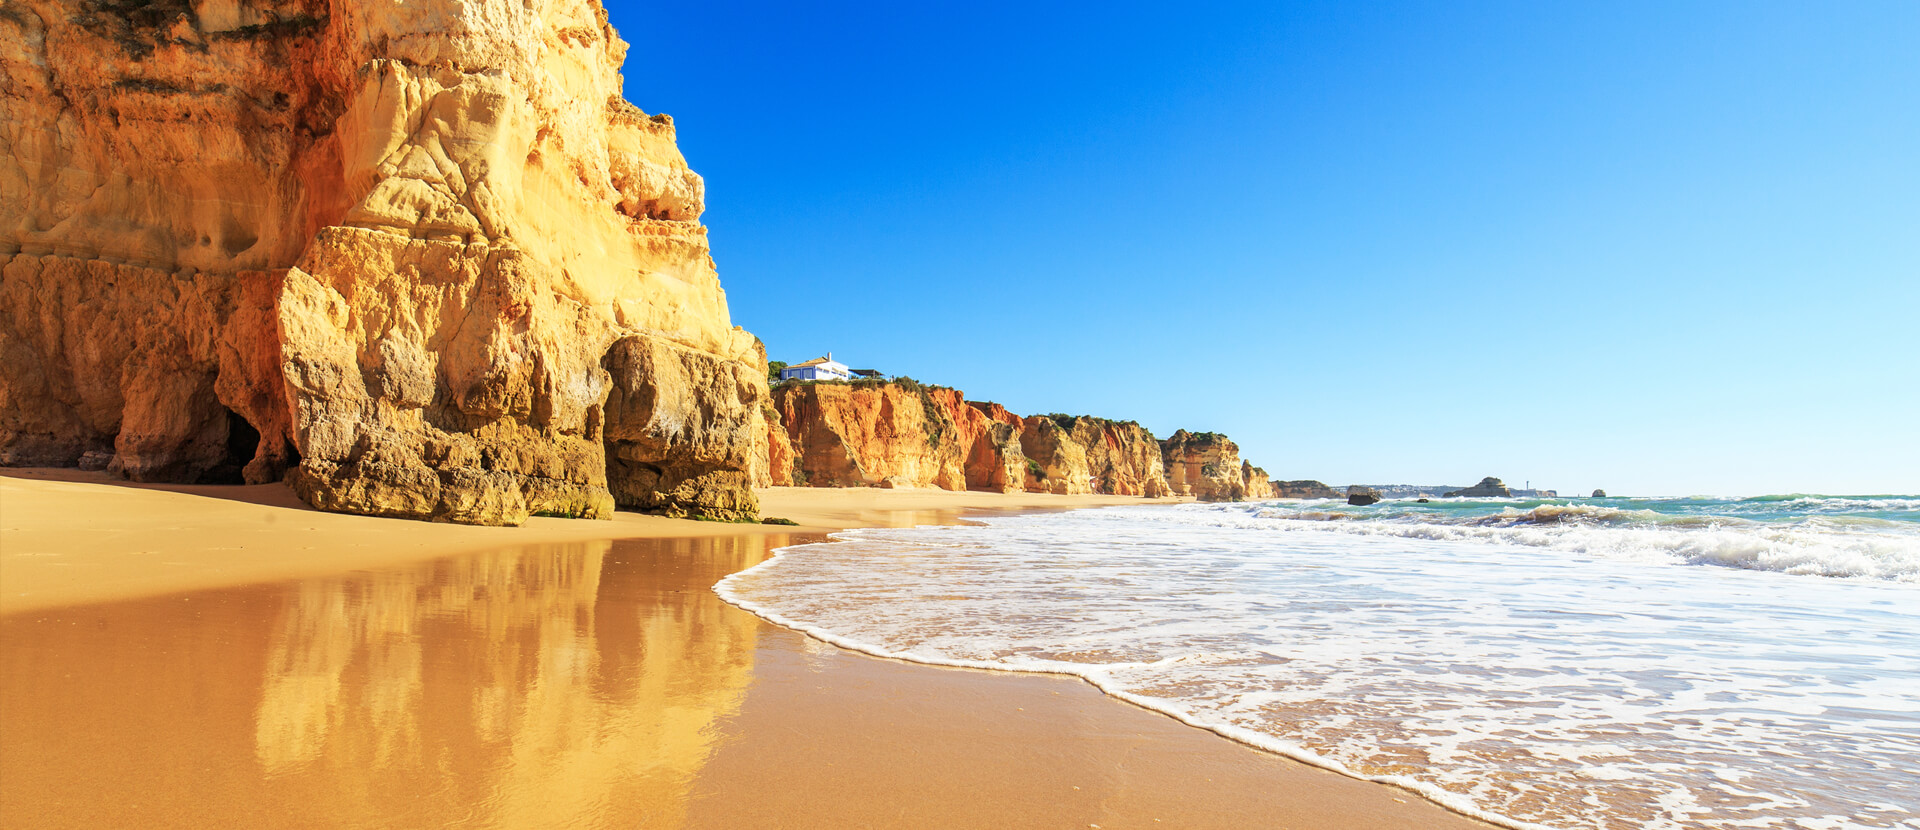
x=1304 y=489
x=1422 y=501
x=1362 y=496
x=1488 y=487
x=1599 y=494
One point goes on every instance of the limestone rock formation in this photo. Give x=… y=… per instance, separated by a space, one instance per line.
x=146 y=374
x=902 y=434
x=681 y=429
x=777 y=450
x=865 y=434
x=1259 y=485
x=1488 y=487
x=423 y=257
x=995 y=460
x=1362 y=495
x=1123 y=457
x=1205 y=465
x=1599 y=494
x=1303 y=489
x=1059 y=462
x=1085 y=454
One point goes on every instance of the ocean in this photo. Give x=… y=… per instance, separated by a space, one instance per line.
x=1605 y=663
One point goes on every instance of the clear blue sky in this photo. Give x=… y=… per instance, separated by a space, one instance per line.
x=1661 y=248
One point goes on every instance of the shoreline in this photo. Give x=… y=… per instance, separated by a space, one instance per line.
x=862 y=719
x=1239 y=736
x=127 y=544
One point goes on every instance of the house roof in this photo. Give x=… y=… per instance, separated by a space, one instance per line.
x=818 y=361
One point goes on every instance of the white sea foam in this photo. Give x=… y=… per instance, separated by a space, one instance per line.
x=1816 y=545
x=1531 y=683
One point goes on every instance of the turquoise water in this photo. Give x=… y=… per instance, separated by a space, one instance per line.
x=1875 y=511
x=1872 y=537
x=1616 y=663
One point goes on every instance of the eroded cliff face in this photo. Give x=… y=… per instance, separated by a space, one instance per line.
x=420 y=256
x=995 y=460
x=872 y=435
x=1207 y=466
x=778 y=452
x=1259 y=486
x=1303 y=489
x=1059 y=461
x=1084 y=454
x=1124 y=457
x=906 y=435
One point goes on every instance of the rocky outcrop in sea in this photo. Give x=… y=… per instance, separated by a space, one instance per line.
x=1488 y=487
x=1304 y=489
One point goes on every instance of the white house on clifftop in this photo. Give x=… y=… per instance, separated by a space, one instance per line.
x=819 y=368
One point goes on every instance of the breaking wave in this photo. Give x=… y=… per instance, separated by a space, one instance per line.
x=1537 y=664
x=1875 y=537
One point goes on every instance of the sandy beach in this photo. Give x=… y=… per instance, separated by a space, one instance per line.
x=224 y=656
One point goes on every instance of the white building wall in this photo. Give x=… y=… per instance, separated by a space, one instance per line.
x=824 y=371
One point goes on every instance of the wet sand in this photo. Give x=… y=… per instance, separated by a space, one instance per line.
x=551 y=683
x=72 y=537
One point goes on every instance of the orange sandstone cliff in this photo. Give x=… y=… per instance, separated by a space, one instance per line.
x=1085 y=454
x=903 y=434
x=1207 y=466
x=995 y=460
x=1304 y=489
x=1259 y=485
x=873 y=435
x=421 y=258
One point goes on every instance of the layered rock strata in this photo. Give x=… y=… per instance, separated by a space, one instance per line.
x=902 y=434
x=1488 y=487
x=1059 y=461
x=1207 y=466
x=870 y=435
x=1258 y=484
x=775 y=463
x=1303 y=489
x=1123 y=458
x=421 y=258
x=995 y=459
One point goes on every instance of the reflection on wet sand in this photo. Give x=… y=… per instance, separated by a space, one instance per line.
x=569 y=685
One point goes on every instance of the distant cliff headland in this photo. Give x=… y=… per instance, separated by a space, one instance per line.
x=901 y=433
x=423 y=260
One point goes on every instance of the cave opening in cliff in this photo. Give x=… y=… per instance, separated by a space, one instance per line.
x=242 y=441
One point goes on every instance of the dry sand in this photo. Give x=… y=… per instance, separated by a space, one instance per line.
x=69 y=537
x=177 y=656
